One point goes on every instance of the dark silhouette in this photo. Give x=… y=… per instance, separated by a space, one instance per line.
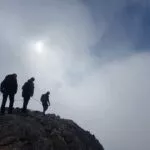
x=45 y=101
x=27 y=92
x=9 y=88
x=32 y=131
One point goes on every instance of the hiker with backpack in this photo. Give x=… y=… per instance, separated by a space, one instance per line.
x=9 y=88
x=45 y=101
x=27 y=92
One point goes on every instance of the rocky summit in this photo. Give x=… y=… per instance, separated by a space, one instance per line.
x=33 y=131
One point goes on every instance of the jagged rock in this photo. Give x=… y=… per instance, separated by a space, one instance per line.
x=33 y=131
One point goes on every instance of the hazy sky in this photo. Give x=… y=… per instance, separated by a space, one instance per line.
x=94 y=56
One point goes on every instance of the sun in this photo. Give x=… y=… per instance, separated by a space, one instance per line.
x=39 y=46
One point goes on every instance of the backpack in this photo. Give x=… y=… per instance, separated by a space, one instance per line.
x=6 y=83
x=28 y=88
x=2 y=87
x=43 y=98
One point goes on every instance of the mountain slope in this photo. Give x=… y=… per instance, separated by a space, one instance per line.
x=33 y=131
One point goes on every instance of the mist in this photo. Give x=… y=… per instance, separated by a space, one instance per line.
x=95 y=61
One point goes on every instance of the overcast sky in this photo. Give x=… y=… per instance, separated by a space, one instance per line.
x=94 y=57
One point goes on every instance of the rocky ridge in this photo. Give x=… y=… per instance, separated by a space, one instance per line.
x=33 y=131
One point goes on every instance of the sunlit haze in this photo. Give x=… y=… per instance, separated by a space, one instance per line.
x=94 y=57
x=39 y=46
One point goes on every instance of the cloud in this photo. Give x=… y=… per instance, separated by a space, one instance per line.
x=94 y=62
x=127 y=116
x=121 y=25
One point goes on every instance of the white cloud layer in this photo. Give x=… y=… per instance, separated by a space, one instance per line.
x=107 y=94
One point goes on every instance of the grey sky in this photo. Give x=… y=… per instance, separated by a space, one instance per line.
x=95 y=61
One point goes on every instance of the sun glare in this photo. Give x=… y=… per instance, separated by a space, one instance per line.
x=39 y=46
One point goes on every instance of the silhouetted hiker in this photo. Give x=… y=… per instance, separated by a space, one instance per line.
x=27 y=92
x=45 y=101
x=9 y=88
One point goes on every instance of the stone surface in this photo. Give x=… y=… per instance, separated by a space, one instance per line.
x=33 y=131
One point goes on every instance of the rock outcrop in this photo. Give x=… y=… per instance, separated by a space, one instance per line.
x=33 y=131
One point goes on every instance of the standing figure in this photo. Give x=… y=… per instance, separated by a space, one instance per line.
x=9 y=88
x=27 y=92
x=45 y=101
